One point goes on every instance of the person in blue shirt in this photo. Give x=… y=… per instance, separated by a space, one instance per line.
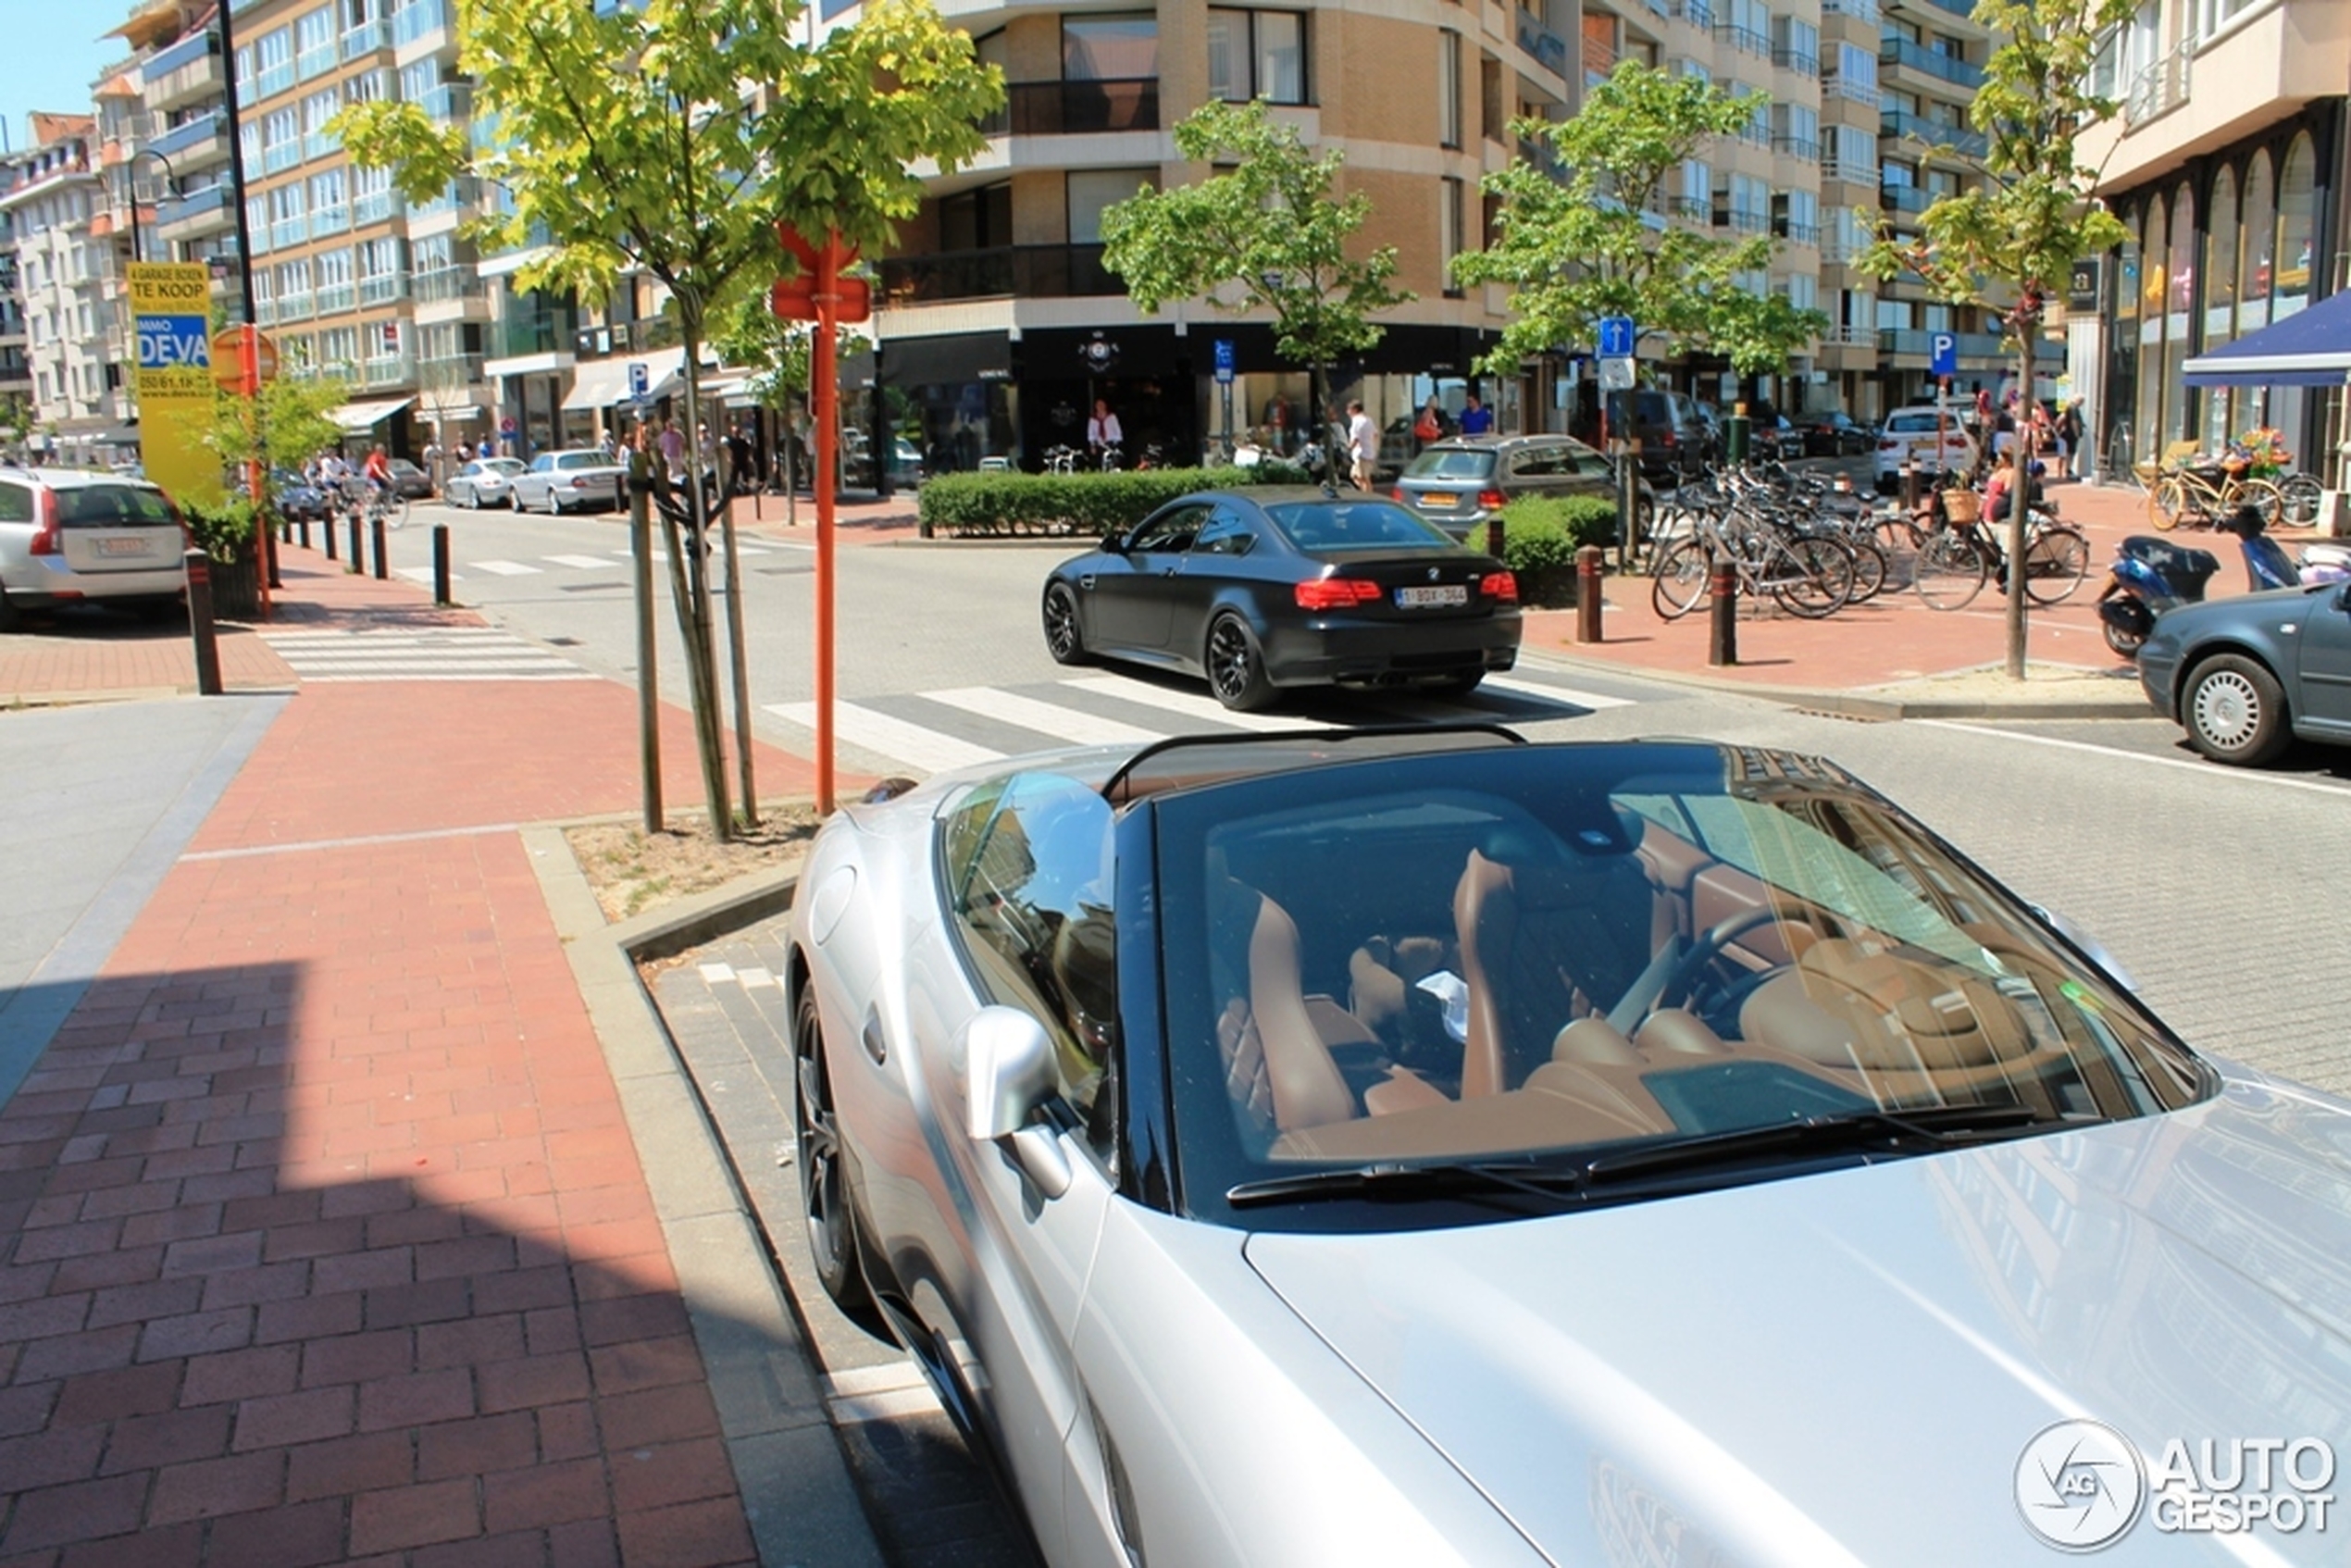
x=1477 y=418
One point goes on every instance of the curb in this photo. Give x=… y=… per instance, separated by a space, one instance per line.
x=802 y=1508
x=1858 y=703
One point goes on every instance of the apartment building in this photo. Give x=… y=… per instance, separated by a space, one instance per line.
x=2228 y=164
x=999 y=326
x=350 y=279
x=56 y=205
x=177 y=170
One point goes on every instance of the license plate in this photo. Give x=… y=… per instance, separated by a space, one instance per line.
x=1439 y=498
x=1424 y=598
x=124 y=547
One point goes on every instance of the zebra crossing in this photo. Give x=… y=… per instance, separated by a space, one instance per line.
x=959 y=727
x=500 y=567
x=441 y=652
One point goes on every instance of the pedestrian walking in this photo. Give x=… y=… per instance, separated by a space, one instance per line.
x=1363 y=443
x=1430 y=427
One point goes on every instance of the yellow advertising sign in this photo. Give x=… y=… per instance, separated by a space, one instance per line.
x=172 y=310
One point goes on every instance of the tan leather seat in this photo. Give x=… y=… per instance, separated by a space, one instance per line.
x=1305 y=1084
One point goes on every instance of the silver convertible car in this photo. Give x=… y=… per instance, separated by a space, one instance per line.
x=1429 y=1148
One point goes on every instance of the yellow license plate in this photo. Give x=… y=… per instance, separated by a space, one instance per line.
x=1439 y=498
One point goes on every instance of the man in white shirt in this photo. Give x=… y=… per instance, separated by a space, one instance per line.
x=1363 y=443
x=1102 y=431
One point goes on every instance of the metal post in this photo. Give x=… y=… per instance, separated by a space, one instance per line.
x=1909 y=484
x=327 y=527
x=198 y=566
x=376 y=525
x=248 y=358
x=440 y=565
x=1628 y=509
x=302 y=526
x=358 y=547
x=1722 y=626
x=1588 y=594
x=269 y=552
x=640 y=546
x=825 y=396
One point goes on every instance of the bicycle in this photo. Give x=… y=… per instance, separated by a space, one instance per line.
x=1956 y=562
x=1811 y=575
x=368 y=502
x=2298 y=498
x=1061 y=459
x=2192 y=493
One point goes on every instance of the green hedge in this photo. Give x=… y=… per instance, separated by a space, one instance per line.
x=1011 y=506
x=1542 y=533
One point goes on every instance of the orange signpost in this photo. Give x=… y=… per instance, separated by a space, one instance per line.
x=242 y=358
x=819 y=293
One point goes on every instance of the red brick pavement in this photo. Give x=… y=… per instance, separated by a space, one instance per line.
x=322 y=1236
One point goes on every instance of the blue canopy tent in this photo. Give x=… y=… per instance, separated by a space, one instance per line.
x=2311 y=348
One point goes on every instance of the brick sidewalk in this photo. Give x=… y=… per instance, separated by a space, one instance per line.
x=322 y=1237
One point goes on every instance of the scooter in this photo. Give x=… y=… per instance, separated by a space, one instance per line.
x=2150 y=576
x=2266 y=563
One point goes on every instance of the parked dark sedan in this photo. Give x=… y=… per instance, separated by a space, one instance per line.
x=296 y=497
x=1834 y=434
x=1286 y=587
x=410 y=481
x=2246 y=675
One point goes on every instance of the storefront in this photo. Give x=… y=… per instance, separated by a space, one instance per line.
x=2218 y=248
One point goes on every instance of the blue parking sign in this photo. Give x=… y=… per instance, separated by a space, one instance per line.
x=1942 y=353
x=1617 y=337
x=1225 y=359
x=639 y=381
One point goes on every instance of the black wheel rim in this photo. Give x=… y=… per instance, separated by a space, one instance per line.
x=818 y=1139
x=1232 y=663
x=1060 y=624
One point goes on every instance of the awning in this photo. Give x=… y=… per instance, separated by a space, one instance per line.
x=713 y=379
x=2311 y=348
x=357 y=416
x=600 y=383
x=445 y=417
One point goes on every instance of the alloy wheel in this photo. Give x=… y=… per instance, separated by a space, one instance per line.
x=817 y=1137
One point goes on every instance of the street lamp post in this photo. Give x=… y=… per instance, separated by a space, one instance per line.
x=131 y=175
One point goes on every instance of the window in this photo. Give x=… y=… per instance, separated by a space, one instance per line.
x=417 y=81
x=1855 y=75
x=280 y=140
x=1853 y=154
x=1092 y=190
x=1697 y=197
x=1796 y=46
x=1032 y=865
x=1448 y=229
x=316 y=110
x=274 y=53
x=329 y=213
x=1802 y=289
x=1110 y=48
x=334 y=282
x=244 y=72
x=1257 y=54
x=1449 y=88
x=315 y=42
x=1225 y=534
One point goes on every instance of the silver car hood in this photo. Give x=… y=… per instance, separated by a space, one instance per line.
x=1846 y=1368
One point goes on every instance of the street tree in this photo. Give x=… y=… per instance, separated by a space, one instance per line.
x=668 y=140
x=1583 y=231
x=1269 y=235
x=2009 y=238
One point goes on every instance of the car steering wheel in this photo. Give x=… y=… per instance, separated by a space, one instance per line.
x=1708 y=947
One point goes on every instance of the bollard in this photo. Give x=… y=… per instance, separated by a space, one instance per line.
x=327 y=527
x=1909 y=484
x=285 y=531
x=358 y=546
x=270 y=548
x=1588 y=594
x=1723 y=633
x=440 y=565
x=383 y=567
x=303 y=525
x=198 y=567
x=1493 y=535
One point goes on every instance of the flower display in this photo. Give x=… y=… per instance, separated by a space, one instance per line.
x=2266 y=452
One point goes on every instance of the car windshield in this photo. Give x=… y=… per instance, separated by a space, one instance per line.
x=1451 y=463
x=1564 y=956
x=580 y=460
x=1318 y=526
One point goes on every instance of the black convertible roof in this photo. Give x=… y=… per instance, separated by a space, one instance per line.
x=1184 y=759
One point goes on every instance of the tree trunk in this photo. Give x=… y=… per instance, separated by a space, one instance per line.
x=699 y=645
x=2018 y=490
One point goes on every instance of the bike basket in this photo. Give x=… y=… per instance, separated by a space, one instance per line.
x=1961 y=505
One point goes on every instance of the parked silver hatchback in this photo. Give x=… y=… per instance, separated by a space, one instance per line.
x=69 y=534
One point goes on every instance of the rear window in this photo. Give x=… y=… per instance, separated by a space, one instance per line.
x=16 y=503
x=1915 y=425
x=1456 y=464
x=1355 y=525
x=580 y=460
x=103 y=503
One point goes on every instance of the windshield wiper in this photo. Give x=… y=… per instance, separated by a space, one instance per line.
x=1932 y=1127
x=1408 y=1183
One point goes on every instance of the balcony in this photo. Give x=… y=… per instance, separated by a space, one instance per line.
x=1905 y=198
x=279 y=156
x=1692 y=209
x=458 y=195
x=326 y=222
x=1698 y=13
x=1860 y=10
x=1850 y=173
x=533 y=334
x=336 y=299
x=285 y=232
x=1744 y=39
x=316 y=60
x=1802 y=147
x=1929 y=62
x=318 y=144
x=188 y=69
x=1076 y=108
x=1742 y=222
x=194 y=142
x=1802 y=62
x=1960 y=139
x=419 y=18
x=196 y=213
x=389 y=370
x=1797 y=233
x=1848 y=337
x=452 y=102
x=1964 y=8
x=1853 y=89
x=376 y=206
x=2158 y=89
x=383 y=288
x=274 y=80
x=367 y=38
x=450 y=369
x=448 y=283
x=299 y=306
x=1549 y=48
x=1021 y=271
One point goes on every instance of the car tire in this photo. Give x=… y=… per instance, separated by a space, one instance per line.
x=1063 y=639
x=828 y=1215
x=11 y=618
x=2234 y=712
x=554 y=506
x=1236 y=666
x=1456 y=685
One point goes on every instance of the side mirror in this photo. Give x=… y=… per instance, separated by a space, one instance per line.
x=1113 y=544
x=1009 y=1075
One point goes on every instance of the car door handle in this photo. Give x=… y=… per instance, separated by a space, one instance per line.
x=1167 y=571
x=1087 y=580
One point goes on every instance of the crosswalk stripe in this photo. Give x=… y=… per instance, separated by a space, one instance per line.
x=1071 y=724
x=892 y=737
x=1180 y=702
x=585 y=563
x=505 y=568
x=1593 y=700
x=435 y=654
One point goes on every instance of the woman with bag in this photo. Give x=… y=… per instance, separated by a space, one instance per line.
x=1430 y=427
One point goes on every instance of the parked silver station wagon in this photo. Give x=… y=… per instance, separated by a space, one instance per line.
x=70 y=535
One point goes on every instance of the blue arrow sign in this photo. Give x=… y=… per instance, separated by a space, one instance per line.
x=1617 y=337
x=1942 y=353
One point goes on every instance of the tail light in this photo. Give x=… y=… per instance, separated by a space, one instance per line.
x=1890 y=445
x=1336 y=594
x=1492 y=500
x=48 y=542
x=1500 y=585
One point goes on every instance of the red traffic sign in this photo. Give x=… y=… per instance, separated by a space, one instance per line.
x=794 y=298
